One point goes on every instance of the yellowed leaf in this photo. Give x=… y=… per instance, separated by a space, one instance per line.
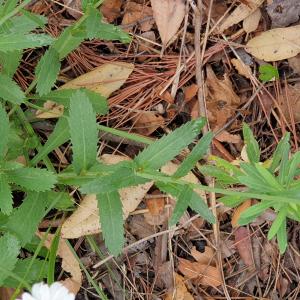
x=237 y=212
x=147 y=122
x=276 y=44
x=241 y=67
x=240 y=13
x=168 y=15
x=201 y=274
x=207 y=257
x=69 y=262
x=180 y=291
x=85 y=219
x=104 y=79
x=250 y=24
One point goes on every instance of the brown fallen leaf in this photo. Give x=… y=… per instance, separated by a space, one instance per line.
x=190 y=92
x=111 y=9
x=199 y=273
x=85 y=219
x=180 y=291
x=208 y=257
x=73 y=7
x=242 y=68
x=244 y=245
x=237 y=212
x=240 y=13
x=168 y=15
x=294 y=63
x=69 y=262
x=147 y=122
x=227 y=137
x=276 y=44
x=155 y=205
x=250 y=24
x=144 y=43
x=138 y=13
x=104 y=79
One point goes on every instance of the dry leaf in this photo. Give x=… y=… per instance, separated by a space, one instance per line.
x=147 y=122
x=138 y=13
x=242 y=68
x=85 y=219
x=190 y=92
x=55 y=110
x=73 y=7
x=282 y=286
x=144 y=43
x=155 y=205
x=276 y=44
x=180 y=292
x=284 y=13
x=240 y=13
x=168 y=15
x=227 y=137
x=294 y=63
x=111 y=9
x=202 y=274
x=237 y=212
x=207 y=257
x=104 y=79
x=6 y=293
x=250 y=24
x=244 y=245
x=69 y=262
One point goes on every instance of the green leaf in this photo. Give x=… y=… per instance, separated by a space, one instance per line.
x=281 y=217
x=93 y=22
x=293 y=167
x=6 y=201
x=12 y=42
x=221 y=175
x=268 y=73
x=52 y=257
x=282 y=237
x=252 y=148
x=47 y=71
x=83 y=131
x=284 y=165
x=9 y=249
x=232 y=201
x=9 y=62
x=120 y=178
x=32 y=271
x=268 y=177
x=59 y=136
x=110 y=32
x=111 y=218
x=167 y=147
x=228 y=167
x=10 y=91
x=33 y=179
x=196 y=154
x=278 y=153
x=4 y=131
x=253 y=212
x=63 y=96
x=29 y=213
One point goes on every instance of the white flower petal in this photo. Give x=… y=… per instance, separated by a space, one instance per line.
x=41 y=291
x=59 y=292
x=26 y=296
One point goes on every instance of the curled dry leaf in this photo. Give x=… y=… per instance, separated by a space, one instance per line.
x=241 y=67
x=227 y=137
x=208 y=257
x=138 y=13
x=85 y=219
x=104 y=79
x=147 y=122
x=244 y=245
x=237 y=212
x=240 y=13
x=250 y=24
x=111 y=9
x=276 y=44
x=168 y=15
x=69 y=262
x=180 y=291
x=199 y=273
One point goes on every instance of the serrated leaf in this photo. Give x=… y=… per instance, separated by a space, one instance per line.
x=252 y=148
x=4 y=131
x=32 y=271
x=29 y=213
x=10 y=61
x=59 y=136
x=110 y=32
x=47 y=71
x=253 y=212
x=111 y=216
x=121 y=178
x=167 y=147
x=10 y=91
x=198 y=151
x=228 y=167
x=83 y=131
x=6 y=201
x=32 y=179
x=12 y=42
x=281 y=217
x=98 y=102
x=9 y=249
x=93 y=21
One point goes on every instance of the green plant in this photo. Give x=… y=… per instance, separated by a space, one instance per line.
x=267 y=73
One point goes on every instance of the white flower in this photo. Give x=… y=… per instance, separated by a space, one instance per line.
x=41 y=291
